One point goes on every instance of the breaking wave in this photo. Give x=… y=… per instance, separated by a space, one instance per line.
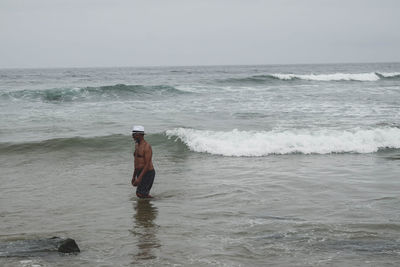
x=118 y=91
x=228 y=143
x=263 y=143
x=361 y=77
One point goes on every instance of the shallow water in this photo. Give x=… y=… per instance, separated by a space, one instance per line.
x=283 y=210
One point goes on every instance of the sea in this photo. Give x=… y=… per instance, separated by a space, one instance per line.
x=275 y=165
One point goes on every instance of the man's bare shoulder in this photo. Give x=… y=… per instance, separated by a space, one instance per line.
x=147 y=146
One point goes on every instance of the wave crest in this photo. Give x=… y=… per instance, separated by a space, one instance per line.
x=263 y=143
x=116 y=141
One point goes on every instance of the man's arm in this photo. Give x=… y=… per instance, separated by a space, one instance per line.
x=133 y=176
x=148 y=153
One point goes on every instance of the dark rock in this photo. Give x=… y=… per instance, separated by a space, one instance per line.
x=68 y=246
x=32 y=247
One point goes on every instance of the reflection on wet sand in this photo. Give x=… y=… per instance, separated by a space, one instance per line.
x=145 y=229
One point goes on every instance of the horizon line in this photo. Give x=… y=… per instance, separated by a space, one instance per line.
x=200 y=65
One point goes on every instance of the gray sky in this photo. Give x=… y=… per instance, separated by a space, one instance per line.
x=84 y=33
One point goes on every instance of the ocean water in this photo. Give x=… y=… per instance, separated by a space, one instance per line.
x=286 y=165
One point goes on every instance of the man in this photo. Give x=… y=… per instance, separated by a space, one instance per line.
x=143 y=175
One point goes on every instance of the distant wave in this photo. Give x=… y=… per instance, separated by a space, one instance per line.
x=257 y=79
x=361 y=77
x=118 y=91
x=263 y=143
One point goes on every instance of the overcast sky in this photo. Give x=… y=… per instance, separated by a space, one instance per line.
x=85 y=33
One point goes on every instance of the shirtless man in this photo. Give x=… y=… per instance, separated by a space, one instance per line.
x=143 y=175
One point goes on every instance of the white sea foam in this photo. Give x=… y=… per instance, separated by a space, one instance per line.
x=390 y=74
x=262 y=143
x=366 y=77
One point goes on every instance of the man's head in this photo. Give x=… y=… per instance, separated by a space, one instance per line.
x=137 y=133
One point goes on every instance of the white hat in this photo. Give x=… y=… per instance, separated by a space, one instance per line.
x=138 y=129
